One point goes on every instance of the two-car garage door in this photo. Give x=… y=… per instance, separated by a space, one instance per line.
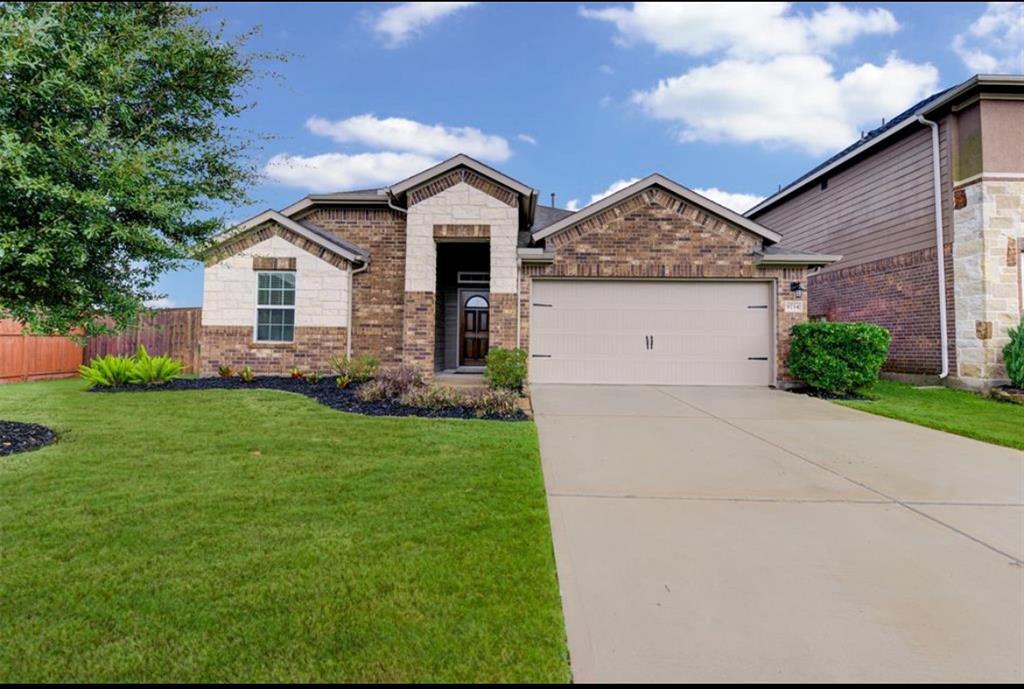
x=636 y=332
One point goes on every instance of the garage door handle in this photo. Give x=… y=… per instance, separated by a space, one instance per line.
x=757 y=358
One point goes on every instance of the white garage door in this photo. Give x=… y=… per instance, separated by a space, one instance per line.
x=644 y=333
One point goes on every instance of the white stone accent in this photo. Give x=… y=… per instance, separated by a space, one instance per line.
x=321 y=290
x=986 y=286
x=461 y=204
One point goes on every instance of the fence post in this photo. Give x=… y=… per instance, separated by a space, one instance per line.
x=24 y=355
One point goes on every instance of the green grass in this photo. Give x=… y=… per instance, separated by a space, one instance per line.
x=955 y=411
x=258 y=536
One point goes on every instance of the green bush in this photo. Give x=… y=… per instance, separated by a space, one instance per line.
x=358 y=370
x=506 y=368
x=1013 y=355
x=246 y=375
x=838 y=357
x=108 y=371
x=154 y=370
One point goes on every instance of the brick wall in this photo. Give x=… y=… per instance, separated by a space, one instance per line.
x=655 y=234
x=418 y=340
x=898 y=293
x=231 y=345
x=379 y=291
x=503 y=320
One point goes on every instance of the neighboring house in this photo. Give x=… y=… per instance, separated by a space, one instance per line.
x=653 y=284
x=876 y=204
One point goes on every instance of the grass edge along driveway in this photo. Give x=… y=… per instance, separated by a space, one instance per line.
x=258 y=536
x=946 y=409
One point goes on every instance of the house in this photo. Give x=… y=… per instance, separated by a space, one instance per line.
x=653 y=284
x=937 y=190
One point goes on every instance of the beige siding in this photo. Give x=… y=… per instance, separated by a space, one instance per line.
x=879 y=207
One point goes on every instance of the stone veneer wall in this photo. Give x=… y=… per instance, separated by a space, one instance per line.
x=655 y=234
x=899 y=293
x=988 y=224
x=379 y=291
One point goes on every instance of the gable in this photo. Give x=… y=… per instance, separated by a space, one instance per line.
x=258 y=234
x=685 y=197
x=655 y=223
x=467 y=176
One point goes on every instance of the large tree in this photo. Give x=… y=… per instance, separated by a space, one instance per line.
x=116 y=146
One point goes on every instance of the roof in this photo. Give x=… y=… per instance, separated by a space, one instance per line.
x=315 y=234
x=876 y=136
x=461 y=160
x=548 y=215
x=667 y=184
x=358 y=197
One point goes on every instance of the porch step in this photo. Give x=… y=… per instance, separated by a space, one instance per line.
x=460 y=380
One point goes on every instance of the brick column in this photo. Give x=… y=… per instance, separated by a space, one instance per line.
x=419 y=331
x=503 y=320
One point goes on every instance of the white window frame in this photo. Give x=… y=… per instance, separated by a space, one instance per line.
x=473 y=277
x=285 y=307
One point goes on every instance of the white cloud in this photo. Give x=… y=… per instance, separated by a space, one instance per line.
x=607 y=69
x=403 y=21
x=994 y=43
x=742 y=29
x=731 y=200
x=526 y=138
x=792 y=100
x=161 y=303
x=400 y=134
x=335 y=171
x=735 y=201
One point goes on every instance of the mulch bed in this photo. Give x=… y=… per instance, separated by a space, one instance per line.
x=325 y=391
x=22 y=437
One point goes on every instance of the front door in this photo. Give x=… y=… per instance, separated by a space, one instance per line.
x=474 y=322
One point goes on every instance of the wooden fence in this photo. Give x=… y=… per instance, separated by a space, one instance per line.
x=165 y=331
x=35 y=357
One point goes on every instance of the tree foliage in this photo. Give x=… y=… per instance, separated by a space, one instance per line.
x=116 y=147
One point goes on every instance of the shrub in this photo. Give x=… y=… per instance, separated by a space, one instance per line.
x=838 y=357
x=246 y=375
x=343 y=381
x=225 y=371
x=434 y=397
x=492 y=402
x=154 y=370
x=359 y=370
x=506 y=368
x=297 y=374
x=1013 y=355
x=391 y=384
x=108 y=371
x=312 y=377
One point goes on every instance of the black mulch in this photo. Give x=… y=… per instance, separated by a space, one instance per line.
x=325 y=391
x=21 y=437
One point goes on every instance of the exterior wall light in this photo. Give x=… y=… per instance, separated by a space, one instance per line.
x=797 y=289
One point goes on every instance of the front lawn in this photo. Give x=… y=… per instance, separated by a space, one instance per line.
x=210 y=536
x=954 y=411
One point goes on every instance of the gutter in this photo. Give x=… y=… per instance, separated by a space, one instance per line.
x=351 y=298
x=939 y=252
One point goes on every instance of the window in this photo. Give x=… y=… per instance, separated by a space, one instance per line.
x=476 y=302
x=275 y=307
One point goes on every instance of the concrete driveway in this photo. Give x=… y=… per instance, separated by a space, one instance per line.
x=747 y=534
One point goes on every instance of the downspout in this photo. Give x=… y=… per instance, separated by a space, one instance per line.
x=351 y=298
x=939 y=246
x=519 y=301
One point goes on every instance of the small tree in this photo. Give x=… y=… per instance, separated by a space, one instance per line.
x=1013 y=355
x=114 y=151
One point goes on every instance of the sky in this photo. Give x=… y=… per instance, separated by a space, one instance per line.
x=579 y=99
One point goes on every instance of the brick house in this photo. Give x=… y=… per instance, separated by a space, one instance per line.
x=653 y=284
x=899 y=225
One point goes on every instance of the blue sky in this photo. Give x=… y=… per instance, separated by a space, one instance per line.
x=574 y=98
